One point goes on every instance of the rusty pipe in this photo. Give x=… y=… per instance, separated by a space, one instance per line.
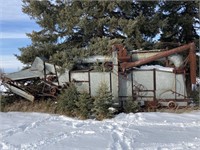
x=193 y=65
x=127 y=65
x=192 y=57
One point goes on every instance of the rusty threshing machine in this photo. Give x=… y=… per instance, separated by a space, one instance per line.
x=127 y=77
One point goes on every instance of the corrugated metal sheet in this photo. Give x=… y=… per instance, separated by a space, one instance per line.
x=20 y=92
x=25 y=74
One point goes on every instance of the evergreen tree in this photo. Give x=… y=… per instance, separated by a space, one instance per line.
x=67 y=100
x=130 y=105
x=181 y=21
x=103 y=101
x=73 y=29
x=84 y=105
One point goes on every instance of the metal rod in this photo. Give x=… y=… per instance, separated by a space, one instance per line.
x=192 y=60
x=199 y=57
x=127 y=65
x=154 y=84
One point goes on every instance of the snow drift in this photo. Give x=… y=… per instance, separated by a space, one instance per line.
x=141 y=131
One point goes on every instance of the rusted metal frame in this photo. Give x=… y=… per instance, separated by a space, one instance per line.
x=44 y=76
x=132 y=83
x=154 y=84
x=49 y=87
x=121 y=101
x=89 y=82
x=118 y=86
x=192 y=58
x=147 y=51
x=178 y=100
x=123 y=96
x=46 y=94
x=69 y=74
x=78 y=71
x=152 y=70
x=177 y=93
x=56 y=74
x=145 y=96
x=175 y=88
x=127 y=65
x=21 y=86
x=78 y=81
x=147 y=90
x=44 y=71
x=185 y=88
x=26 y=88
x=43 y=88
x=110 y=82
x=50 y=83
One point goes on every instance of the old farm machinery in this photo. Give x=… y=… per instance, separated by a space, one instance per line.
x=126 y=77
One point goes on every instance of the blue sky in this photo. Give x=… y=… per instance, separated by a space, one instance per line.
x=14 y=25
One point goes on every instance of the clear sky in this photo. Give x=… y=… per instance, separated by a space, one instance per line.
x=14 y=25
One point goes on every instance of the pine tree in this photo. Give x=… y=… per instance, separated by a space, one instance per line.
x=130 y=106
x=103 y=101
x=74 y=29
x=84 y=105
x=181 y=21
x=67 y=100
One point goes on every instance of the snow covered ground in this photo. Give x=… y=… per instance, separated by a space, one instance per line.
x=140 y=131
x=158 y=67
x=2 y=87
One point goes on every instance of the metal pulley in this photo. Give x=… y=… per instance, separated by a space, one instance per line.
x=171 y=104
x=53 y=90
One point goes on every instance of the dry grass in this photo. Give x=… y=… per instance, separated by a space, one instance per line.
x=46 y=106
x=50 y=106
x=179 y=110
